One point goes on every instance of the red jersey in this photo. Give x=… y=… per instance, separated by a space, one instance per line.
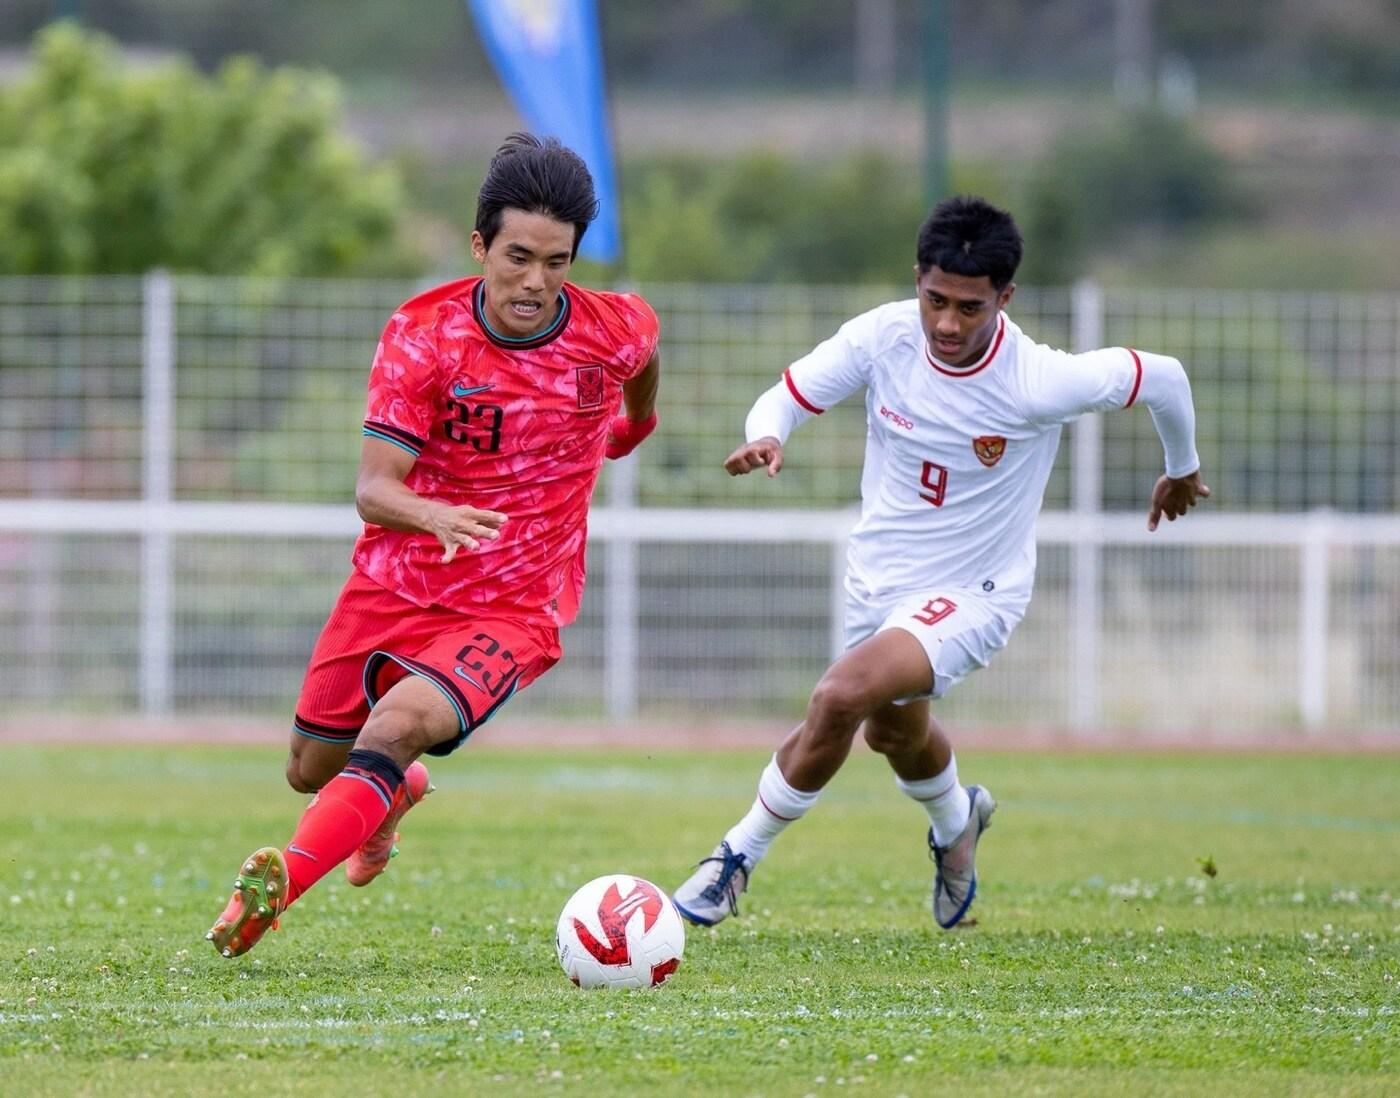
x=510 y=425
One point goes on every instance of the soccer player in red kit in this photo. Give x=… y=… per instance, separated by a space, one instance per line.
x=492 y=404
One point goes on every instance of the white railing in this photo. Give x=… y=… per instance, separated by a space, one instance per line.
x=624 y=530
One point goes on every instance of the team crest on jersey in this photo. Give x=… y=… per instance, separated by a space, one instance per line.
x=989 y=449
x=590 y=386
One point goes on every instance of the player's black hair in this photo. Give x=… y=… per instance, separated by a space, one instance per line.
x=969 y=236
x=537 y=175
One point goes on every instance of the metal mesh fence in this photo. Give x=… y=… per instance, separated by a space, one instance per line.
x=70 y=387
x=270 y=385
x=1297 y=394
x=1298 y=398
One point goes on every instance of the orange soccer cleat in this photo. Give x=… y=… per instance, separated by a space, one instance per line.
x=372 y=858
x=260 y=896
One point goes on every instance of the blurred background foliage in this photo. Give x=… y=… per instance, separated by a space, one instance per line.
x=344 y=136
x=1338 y=45
x=110 y=168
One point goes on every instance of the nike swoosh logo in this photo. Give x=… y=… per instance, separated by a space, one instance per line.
x=458 y=670
x=468 y=390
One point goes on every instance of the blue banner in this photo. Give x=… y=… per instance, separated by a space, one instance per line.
x=550 y=59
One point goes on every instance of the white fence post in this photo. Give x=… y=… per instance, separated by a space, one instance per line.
x=1314 y=599
x=1086 y=501
x=620 y=607
x=158 y=448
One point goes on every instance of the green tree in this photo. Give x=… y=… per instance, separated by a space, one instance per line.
x=108 y=167
x=764 y=218
x=1095 y=190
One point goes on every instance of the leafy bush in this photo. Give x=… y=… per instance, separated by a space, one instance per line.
x=1149 y=172
x=109 y=168
x=763 y=218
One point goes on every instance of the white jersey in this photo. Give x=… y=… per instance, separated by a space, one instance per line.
x=957 y=458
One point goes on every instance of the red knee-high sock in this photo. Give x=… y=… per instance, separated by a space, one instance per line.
x=340 y=817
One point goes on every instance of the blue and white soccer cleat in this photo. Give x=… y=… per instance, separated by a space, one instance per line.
x=955 y=872
x=711 y=894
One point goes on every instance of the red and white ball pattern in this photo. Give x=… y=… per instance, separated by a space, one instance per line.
x=619 y=931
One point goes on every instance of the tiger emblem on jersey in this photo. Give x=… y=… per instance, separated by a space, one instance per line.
x=590 y=386
x=989 y=449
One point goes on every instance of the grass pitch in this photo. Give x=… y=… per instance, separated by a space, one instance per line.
x=1106 y=959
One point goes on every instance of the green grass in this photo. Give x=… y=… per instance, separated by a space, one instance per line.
x=1105 y=961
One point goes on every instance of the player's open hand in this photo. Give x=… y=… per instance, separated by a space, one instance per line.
x=755 y=455
x=464 y=528
x=1173 y=496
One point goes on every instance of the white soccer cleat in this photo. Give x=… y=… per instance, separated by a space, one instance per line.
x=955 y=873
x=711 y=894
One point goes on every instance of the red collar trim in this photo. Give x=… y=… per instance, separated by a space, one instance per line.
x=980 y=364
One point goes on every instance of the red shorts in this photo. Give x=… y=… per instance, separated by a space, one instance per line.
x=374 y=638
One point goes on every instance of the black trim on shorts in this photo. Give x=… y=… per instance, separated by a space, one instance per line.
x=326 y=733
x=466 y=720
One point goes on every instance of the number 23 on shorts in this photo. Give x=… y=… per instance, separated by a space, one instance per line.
x=491 y=679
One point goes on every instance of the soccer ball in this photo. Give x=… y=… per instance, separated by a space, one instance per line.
x=619 y=931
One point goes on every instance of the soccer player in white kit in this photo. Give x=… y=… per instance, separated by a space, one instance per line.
x=963 y=414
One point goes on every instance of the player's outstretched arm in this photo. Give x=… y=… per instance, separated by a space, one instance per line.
x=638 y=417
x=1116 y=377
x=1166 y=390
x=755 y=455
x=774 y=416
x=382 y=498
x=1172 y=496
x=834 y=369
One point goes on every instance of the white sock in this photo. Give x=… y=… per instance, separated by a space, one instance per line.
x=777 y=805
x=944 y=799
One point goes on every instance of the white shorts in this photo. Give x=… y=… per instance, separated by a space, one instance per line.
x=960 y=628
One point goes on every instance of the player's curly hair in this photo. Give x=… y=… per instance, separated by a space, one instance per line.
x=969 y=236
x=537 y=175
